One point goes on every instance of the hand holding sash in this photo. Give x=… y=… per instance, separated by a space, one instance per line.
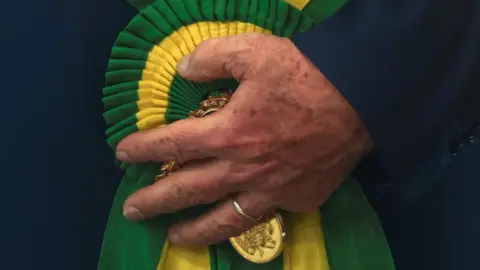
x=286 y=140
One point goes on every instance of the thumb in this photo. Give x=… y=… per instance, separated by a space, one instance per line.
x=219 y=58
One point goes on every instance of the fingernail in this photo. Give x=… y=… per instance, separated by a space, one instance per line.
x=123 y=156
x=183 y=64
x=174 y=238
x=132 y=213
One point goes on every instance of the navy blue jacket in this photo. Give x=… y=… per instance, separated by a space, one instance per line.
x=408 y=67
x=411 y=69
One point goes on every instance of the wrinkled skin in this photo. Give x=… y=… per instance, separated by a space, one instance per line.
x=285 y=141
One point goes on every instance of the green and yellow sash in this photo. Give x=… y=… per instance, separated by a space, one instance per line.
x=143 y=91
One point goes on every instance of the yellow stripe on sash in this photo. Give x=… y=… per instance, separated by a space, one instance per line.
x=299 y=4
x=174 y=257
x=162 y=61
x=305 y=245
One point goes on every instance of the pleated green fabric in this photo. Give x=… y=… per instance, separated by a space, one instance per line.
x=126 y=240
x=143 y=91
x=320 y=10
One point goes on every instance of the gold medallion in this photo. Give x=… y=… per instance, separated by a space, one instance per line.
x=263 y=242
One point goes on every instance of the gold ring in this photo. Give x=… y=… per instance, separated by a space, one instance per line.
x=239 y=210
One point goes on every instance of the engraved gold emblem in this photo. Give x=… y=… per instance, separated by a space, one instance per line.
x=264 y=241
x=211 y=105
x=167 y=169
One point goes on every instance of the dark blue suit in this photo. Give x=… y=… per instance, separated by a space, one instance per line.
x=408 y=67
x=411 y=69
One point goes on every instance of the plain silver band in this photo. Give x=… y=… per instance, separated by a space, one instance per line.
x=241 y=212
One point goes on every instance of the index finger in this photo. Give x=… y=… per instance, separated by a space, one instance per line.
x=188 y=139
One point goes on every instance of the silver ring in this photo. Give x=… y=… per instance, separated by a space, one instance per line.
x=239 y=210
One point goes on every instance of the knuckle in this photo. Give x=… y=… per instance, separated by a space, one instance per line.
x=257 y=35
x=168 y=146
x=238 y=64
x=213 y=231
x=196 y=58
x=139 y=149
x=207 y=236
x=259 y=40
x=145 y=202
x=185 y=130
x=186 y=195
x=205 y=50
x=206 y=229
x=229 y=226
x=207 y=44
x=220 y=227
x=227 y=138
x=286 y=41
x=202 y=48
x=221 y=142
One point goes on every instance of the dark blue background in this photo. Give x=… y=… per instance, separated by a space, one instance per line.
x=58 y=177
x=408 y=67
x=411 y=69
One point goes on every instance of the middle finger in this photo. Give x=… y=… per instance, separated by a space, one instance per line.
x=194 y=184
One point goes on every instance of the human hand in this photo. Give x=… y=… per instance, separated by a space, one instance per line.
x=285 y=141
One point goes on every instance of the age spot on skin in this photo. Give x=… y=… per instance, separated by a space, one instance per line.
x=253 y=112
x=298 y=65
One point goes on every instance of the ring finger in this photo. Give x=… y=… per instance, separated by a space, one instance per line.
x=223 y=221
